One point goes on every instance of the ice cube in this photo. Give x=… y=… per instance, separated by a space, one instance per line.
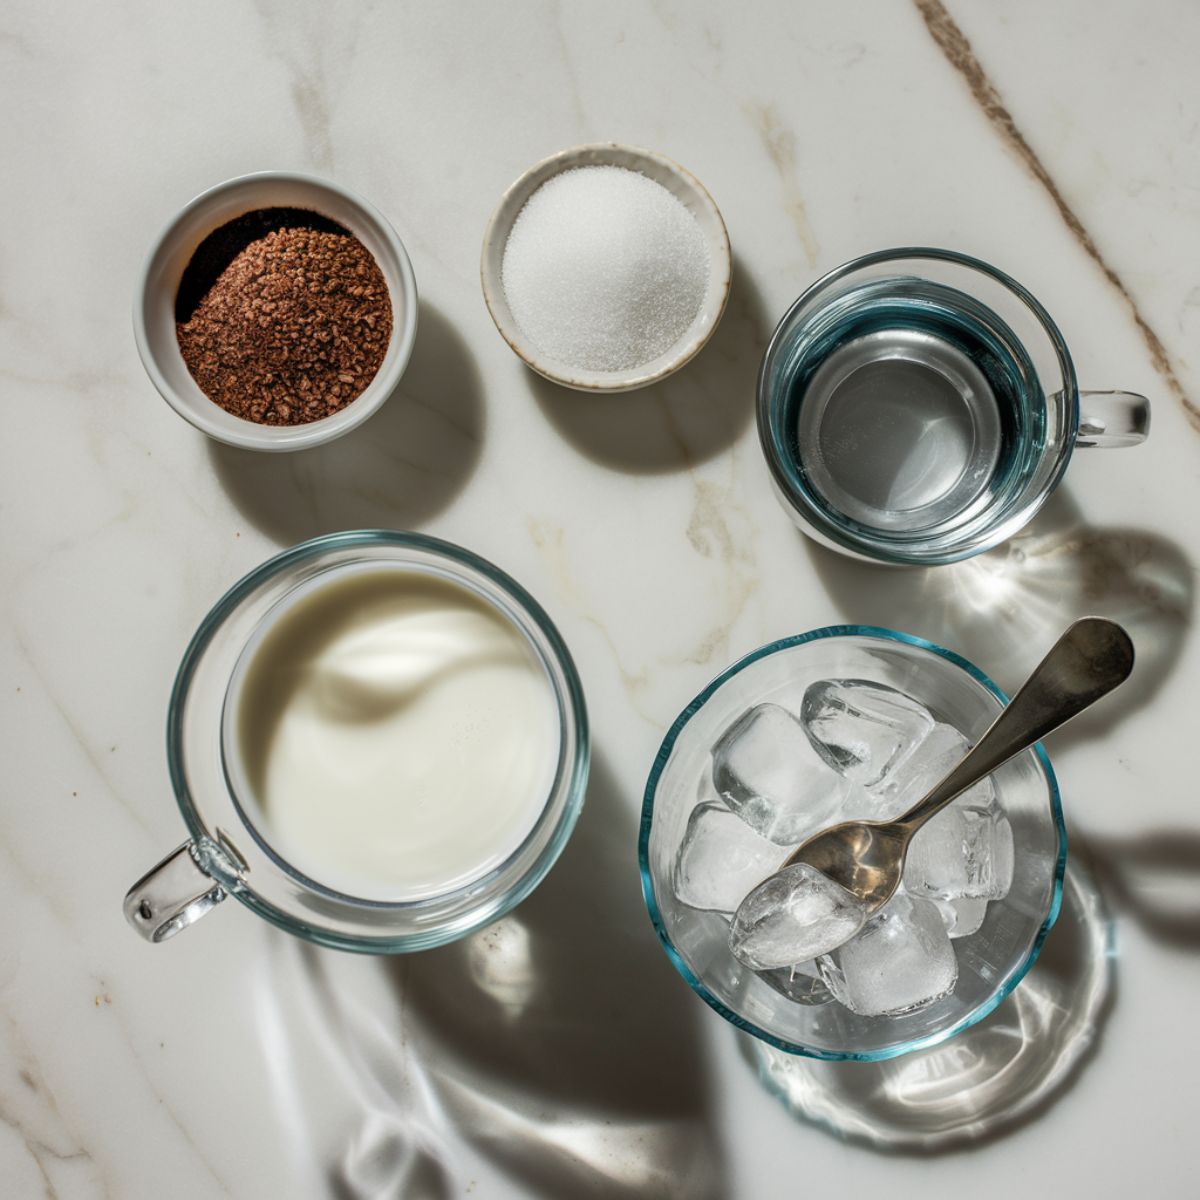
x=765 y=770
x=901 y=961
x=863 y=730
x=721 y=859
x=963 y=853
x=942 y=749
x=795 y=915
x=801 y=983
x=961 y=917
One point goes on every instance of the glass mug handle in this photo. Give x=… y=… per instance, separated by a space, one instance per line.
x=1112 y=419
x=172 y=895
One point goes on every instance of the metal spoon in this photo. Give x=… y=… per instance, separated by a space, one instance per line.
x=867 y=857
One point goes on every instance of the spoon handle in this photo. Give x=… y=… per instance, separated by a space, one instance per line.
x=1090 y=659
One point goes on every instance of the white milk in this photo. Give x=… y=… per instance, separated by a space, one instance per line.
x=393 y=734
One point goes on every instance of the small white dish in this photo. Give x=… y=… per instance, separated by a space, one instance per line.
x=154 y=308
x=680 y=183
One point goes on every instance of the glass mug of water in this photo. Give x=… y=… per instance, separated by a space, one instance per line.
x=918 y=406
x=377 y=740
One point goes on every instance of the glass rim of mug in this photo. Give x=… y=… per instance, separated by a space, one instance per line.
x=662 y=760
x=891 y=551
x=569 y=778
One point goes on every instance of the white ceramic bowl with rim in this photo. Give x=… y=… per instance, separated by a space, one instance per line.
x=680 y=183
x=154 y=307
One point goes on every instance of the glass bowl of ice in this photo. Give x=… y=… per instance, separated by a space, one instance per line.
x=848 y=722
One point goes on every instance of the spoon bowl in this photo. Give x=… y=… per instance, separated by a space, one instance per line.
x=864 y=857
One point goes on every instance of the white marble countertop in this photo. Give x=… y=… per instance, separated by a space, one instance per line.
x=558 y=1054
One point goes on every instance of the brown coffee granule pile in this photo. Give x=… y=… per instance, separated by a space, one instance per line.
x=283 y=317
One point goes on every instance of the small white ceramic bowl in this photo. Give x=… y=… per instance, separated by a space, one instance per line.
x=154 y=308
x=680 y=183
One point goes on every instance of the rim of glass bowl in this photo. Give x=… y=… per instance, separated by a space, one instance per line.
x=787 y=480
x=660 y=762
x=574 y=783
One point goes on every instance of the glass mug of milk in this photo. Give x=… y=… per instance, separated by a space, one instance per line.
x=918 y=406
x=378 y=741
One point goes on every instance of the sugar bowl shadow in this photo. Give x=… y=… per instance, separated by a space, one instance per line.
x=401 y=468
x=1003 y=609
x=685 y=419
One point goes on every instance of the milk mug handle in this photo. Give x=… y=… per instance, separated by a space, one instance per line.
x=172 y=895
x=1112 y=419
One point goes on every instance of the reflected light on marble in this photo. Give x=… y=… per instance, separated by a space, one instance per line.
x=558 y=1042
x=985 y=1081
x=358 y=1111
x=514 y=1048
x=500 y=963
x=567 y=1154
x=1003 y=609
x=377 y=1103
x=989 y=581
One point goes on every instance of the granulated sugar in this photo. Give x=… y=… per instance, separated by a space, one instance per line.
x=604 y=269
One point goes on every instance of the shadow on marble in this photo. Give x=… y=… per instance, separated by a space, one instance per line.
x=1003 y=609
x=396 y=471
x=561 y=1043
x=682 y=421
x=1154 y=878
x=989 y=1081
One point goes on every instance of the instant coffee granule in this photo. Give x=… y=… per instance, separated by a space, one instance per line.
x=283 y=316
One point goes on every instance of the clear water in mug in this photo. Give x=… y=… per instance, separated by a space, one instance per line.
x=911 y=404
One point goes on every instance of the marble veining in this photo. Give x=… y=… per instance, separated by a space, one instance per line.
x=557 y=1053
x=780 y=144
x=959 y=54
